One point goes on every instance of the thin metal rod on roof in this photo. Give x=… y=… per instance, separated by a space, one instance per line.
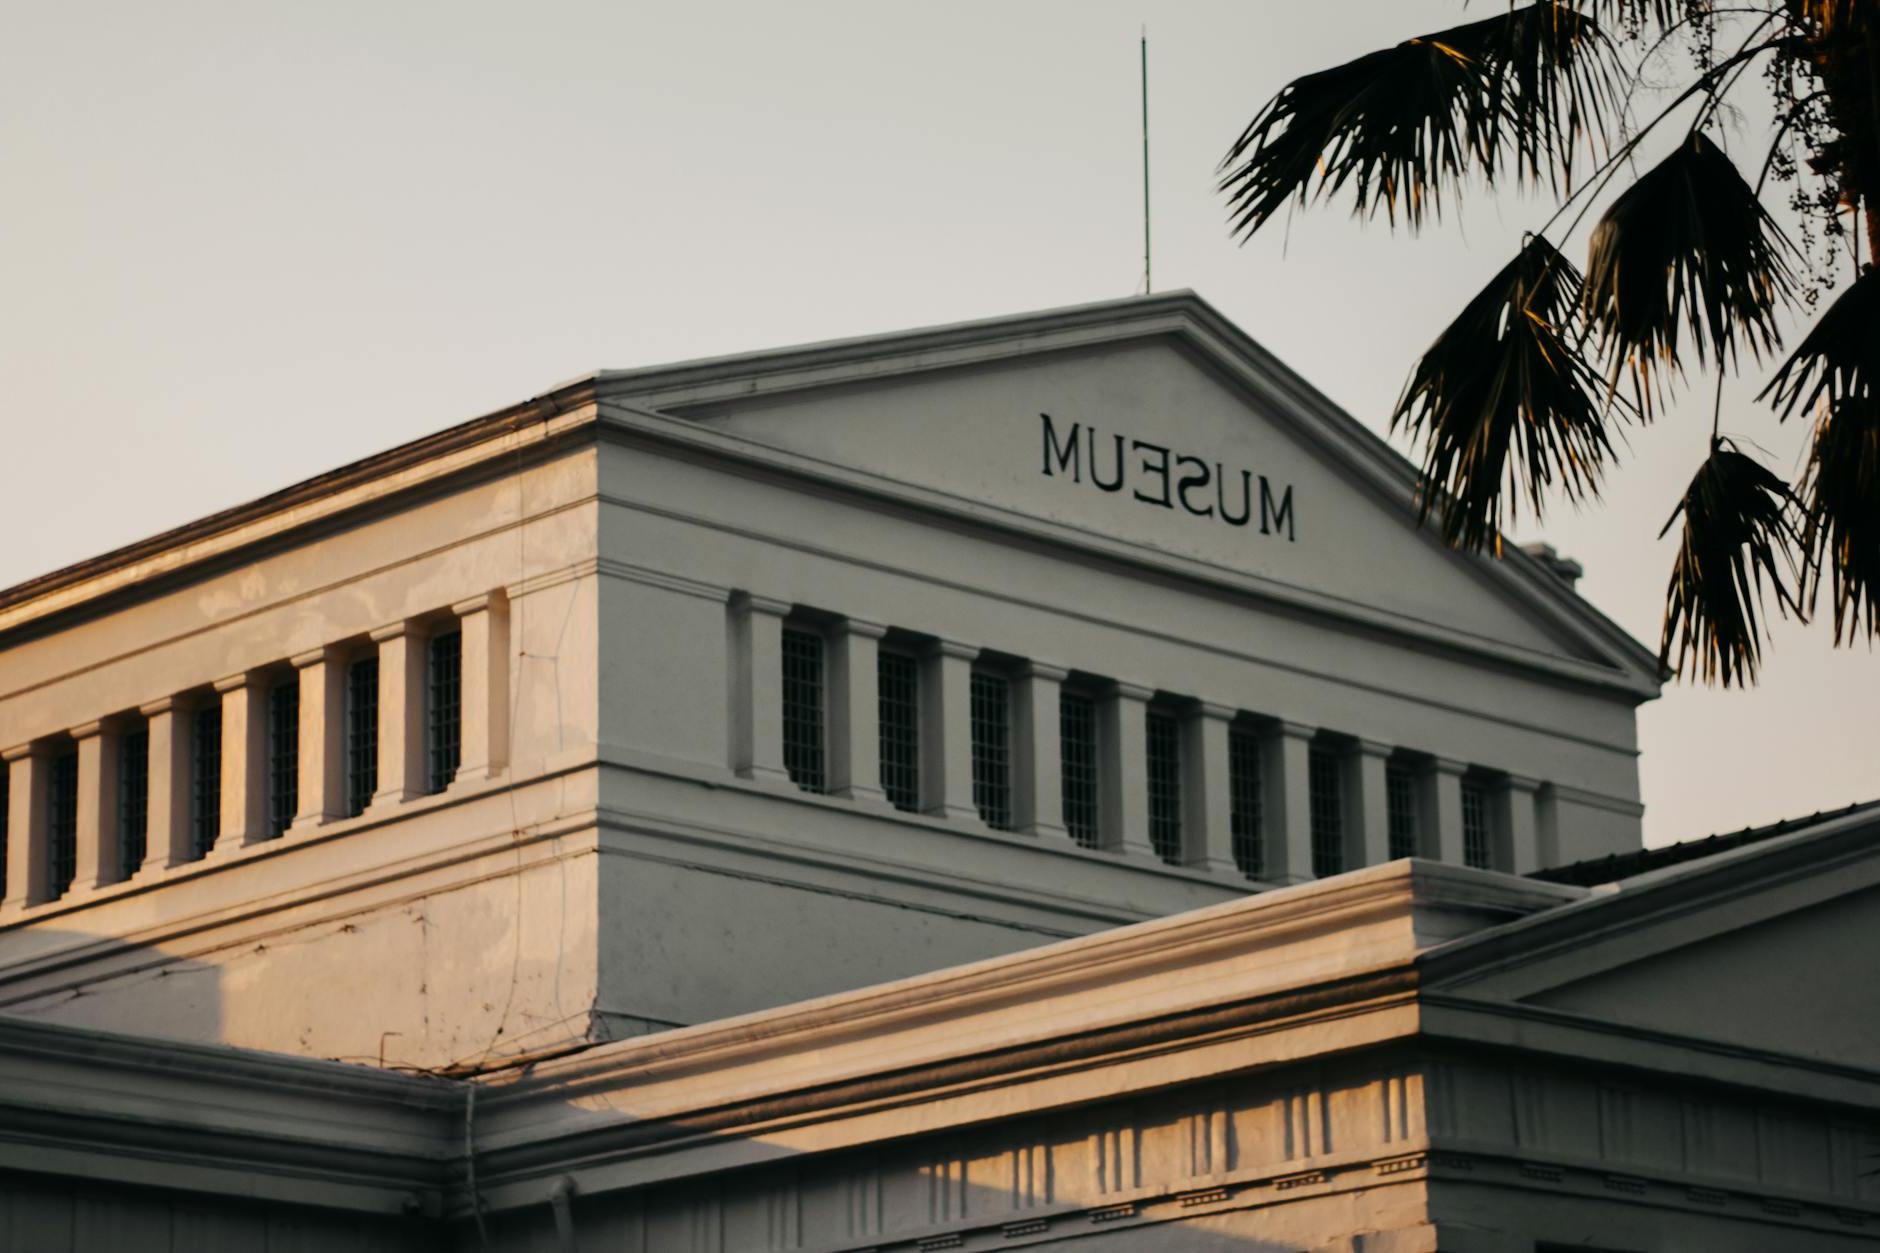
x=1148 y=275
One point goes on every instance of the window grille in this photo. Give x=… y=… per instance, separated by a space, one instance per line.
x=1326 y=804
x=283 y=755
x=362 y=733
x=6 y=817
x=992 y=750
x=1244 y=799
x=1165 y=786
x=444 y=709
x=1475 y=850
x=205 y=778
x=803 y=709
x=897 y=681
x=1077 y=738
x=1400 y=807
x=133 y=802
x=62 y=825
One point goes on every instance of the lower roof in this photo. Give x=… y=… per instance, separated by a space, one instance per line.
x=1594 y=871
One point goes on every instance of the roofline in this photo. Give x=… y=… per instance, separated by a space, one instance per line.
x=1621 y=867
x=1819 y=848
x=548 y=404
x=1181 y=313
x=1184 y=313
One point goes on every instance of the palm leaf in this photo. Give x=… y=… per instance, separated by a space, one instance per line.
x=1502 y=394
x=1552 y=73
x=1687 y=249
x=1394 y=122
x=1635 y=14
x=1839 y=359
x=1402 y=124
x=1738 y=528
x=1841 y=497
x=1836 y=370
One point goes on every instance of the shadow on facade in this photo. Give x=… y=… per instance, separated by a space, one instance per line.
x=1262 y=1161
x=845 y=1204
x=72 y=979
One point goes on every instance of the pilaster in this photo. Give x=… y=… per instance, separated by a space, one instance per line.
x=1368 y=837
x=167 y=827
x=1287 y=808
x=322 y=738
x=855 y=711
x=97 y=806
x=1516 y=802
x=756 y=646
x=1124 y=772
x=28 y=853
x=483 y=733
x=1207 y=820
x=1442 y=808
x=947 y=732
x=244 y=761
x=1038 y=763
x=401 y=714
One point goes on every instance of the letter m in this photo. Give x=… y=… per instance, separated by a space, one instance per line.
x=1276 y=516
x=1067 y=456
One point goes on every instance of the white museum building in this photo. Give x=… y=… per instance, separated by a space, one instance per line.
x=1015 y=785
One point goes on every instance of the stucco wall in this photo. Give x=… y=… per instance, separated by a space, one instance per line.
x=427 y=931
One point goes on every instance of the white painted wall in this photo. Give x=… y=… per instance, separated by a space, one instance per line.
x=617 y=868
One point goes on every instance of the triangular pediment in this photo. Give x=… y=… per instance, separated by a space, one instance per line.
x=1156 y=425
x=1765 y=948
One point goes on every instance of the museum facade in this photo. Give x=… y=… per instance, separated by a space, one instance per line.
x=1010 y=783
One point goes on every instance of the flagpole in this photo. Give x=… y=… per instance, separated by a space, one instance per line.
x=1148 y=275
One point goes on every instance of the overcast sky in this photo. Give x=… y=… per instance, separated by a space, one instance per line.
x=243 y=243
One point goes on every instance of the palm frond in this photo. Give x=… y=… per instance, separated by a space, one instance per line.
x=1839 y=358
x=1840 y=492
x=1401 y=125
x=1635 y=14
x=1502 y=394
x=1739 y=527
x=1553 y=79
x=1394 y=123
x=1637 y=18
x=1688 y=248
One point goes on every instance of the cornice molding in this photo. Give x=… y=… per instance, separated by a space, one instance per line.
x=1182 y=316
x=1734 y=889
x=540 y=423
x=645 y=428
x=1235 y=941
x=516 y=431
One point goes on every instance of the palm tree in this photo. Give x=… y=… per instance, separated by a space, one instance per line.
x=1520 y=394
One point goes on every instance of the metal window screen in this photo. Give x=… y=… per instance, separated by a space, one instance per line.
x=205 y=778
x=1326 y=804
x=133 y=802
x=444 y=707
x=362 y=733
x=992 y=750
x=1400 y=808
x=62 y=825
x=1077 y=738
x=1243 y=810
x=803 y=709
x=1165 y=786
x=1475 y=851
x=283 y=755
x=897 y=682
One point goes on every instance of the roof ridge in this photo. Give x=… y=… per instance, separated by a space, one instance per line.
x=1612 y=867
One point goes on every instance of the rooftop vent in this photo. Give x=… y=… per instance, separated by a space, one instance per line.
x=1566 y=569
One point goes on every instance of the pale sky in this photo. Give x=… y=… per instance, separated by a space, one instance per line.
x=243 y=243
